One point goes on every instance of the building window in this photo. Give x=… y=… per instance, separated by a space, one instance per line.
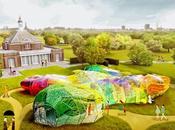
x=24 y=61
x=27 y=46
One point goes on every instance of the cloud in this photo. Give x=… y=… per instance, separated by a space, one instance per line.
x=167 y=18
x=83 y=13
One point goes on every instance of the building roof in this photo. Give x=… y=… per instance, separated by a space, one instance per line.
x=22 y=36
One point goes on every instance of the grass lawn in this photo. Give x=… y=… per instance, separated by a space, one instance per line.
x=47 y=70
x=168 y=99
x=10 y=82
x=23 y=97
x=119 y=54
x=166 y=56
x=4 y=107
x=68 y=53
x=163 y=126
x=105 y=123
x=123 y=55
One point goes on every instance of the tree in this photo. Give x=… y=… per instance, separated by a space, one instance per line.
x=173 y=56
x=78 y=43
x=147 y=36
x=168 y=42
x=154 y=45
x=4 y=35
x=136 y=35
x=94 y=53
x=1 y=61
x=121 y=42
x=51 y=39
x=76 y=40
x=139 y=55
x=104 y=41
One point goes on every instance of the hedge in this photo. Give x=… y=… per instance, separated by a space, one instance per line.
x=112 y=61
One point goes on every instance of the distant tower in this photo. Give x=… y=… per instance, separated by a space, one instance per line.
x=20 y=24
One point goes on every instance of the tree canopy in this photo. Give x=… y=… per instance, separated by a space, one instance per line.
x=139 y=55
x=94 y=53
x=51 y=39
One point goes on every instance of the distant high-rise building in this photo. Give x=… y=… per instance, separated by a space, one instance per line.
x=147 y=26
x=123 y=27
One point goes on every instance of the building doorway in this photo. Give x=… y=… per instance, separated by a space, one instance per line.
x=57 y=57
x=9 y=120
x=11 y=62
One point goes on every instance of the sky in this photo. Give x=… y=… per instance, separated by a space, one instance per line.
x=88 y=13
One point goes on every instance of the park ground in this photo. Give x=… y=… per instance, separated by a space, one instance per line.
x=112 y=121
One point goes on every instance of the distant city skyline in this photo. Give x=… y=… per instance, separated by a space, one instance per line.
x=88 y=14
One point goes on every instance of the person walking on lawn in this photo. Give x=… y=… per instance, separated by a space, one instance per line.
x=163 y=113
x=157 y=112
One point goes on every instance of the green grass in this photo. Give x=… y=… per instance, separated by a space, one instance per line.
x=166 y=56
x=23 y=97
x=4 y=107
x=105 y=123
x=47 y=70
x=163 y=126
x=123 y=55
x=11 y=83
x=119 y=54
x=68 y=53
x=168 y=99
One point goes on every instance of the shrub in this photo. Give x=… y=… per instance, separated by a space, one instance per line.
x=74 y=60
x=105 y=63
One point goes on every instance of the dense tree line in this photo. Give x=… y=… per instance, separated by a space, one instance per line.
x=92 y=47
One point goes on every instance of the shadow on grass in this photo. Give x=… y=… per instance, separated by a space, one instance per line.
x=105 y=123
